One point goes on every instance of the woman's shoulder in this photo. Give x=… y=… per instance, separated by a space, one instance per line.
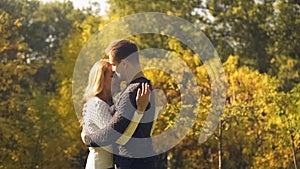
x=93 y=107
x=96 y=101
x=97 y=112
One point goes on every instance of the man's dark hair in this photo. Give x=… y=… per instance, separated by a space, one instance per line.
x=121 y=49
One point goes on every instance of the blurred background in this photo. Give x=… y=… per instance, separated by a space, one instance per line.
x=257 y=41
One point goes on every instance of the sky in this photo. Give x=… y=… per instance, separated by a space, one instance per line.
x=84 y=3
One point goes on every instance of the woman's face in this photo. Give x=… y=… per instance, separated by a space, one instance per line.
x=108 y=77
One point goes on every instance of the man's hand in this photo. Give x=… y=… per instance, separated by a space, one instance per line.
x=143 y=97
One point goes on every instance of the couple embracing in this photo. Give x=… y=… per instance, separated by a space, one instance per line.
x=111 y=125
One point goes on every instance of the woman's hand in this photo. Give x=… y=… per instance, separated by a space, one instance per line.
x=143 y=97
x=83 y=134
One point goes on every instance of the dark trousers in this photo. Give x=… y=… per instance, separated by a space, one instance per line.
x=136 y=163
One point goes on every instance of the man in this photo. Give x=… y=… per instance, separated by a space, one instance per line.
x=123 y=54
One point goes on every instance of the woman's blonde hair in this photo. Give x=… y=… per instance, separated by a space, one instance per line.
x=96 y=79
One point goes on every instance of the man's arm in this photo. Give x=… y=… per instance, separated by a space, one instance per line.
x=120 y=127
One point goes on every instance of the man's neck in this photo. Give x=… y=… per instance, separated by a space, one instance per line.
x=138 y=75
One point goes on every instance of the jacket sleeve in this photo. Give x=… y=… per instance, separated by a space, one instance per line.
x=120 y=128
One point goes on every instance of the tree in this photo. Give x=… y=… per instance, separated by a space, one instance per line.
x=30 y=128
x=63 y=100
x=241 y=25
x=16 y=85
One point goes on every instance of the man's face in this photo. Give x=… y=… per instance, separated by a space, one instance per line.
x=115 y=84
x=116 y=67
x=114 y=64
x=111 y=61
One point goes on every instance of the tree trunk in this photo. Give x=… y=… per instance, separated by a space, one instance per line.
x=220 y=152
x=294 y=151
x=162 y=161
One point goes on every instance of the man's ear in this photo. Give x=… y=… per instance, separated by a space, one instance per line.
x=125 y=63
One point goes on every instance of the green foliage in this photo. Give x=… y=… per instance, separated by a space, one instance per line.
x=180 y=8
x=32 y=134
x=241 y=24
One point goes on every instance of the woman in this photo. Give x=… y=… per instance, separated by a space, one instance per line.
x=97 y=114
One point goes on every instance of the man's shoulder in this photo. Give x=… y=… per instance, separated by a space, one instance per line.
x=130 y=91
x=137 y=83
